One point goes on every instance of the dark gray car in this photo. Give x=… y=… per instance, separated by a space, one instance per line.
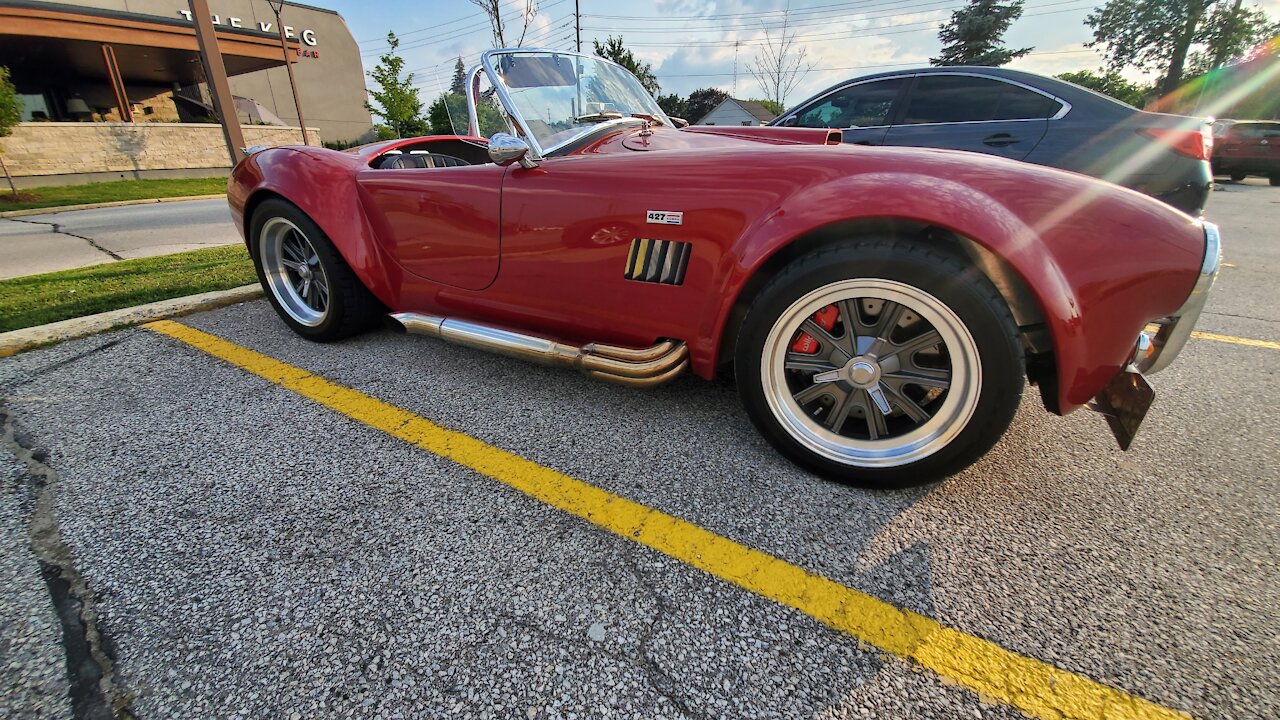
x=1022 y=116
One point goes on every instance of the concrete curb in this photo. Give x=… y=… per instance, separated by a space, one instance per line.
x=16 y=341
x=113 y=203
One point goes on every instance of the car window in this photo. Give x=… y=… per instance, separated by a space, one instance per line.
x=964 y=98
x=1253 y=131
x=1019 y=103
x=863 y=105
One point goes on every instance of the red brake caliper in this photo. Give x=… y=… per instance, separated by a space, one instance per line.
x=826 y=319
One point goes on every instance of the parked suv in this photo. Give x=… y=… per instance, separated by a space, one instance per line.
x=1245 y=147
x=1022 y=116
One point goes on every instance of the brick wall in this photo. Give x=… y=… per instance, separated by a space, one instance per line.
x=65 y=148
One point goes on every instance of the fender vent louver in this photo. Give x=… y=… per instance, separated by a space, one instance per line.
x=658 y=261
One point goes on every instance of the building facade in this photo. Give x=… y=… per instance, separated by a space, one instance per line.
x=732 y=111
x=136 y=61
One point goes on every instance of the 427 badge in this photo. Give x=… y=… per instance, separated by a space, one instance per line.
x=664 y=217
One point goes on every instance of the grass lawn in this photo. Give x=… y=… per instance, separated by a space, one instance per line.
x=39 y=299
x=109 y=191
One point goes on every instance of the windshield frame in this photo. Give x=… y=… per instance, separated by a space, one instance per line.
x=516 y=119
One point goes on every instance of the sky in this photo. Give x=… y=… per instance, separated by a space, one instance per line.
x=698 y=43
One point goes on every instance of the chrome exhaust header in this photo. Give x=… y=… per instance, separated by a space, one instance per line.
x=636 y=367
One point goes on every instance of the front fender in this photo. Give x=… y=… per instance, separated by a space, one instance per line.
x=322 y=184
x=1101 y=262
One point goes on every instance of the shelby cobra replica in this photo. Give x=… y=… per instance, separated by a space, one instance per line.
x=881 y=308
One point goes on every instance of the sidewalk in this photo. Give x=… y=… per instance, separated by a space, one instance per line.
x=53 y=240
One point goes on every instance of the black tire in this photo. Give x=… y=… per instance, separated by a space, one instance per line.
x=351 y=308
x=937 y=272
x=1275 y=181
x=1237 y=177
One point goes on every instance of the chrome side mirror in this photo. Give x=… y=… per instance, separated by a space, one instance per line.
x=505 y=149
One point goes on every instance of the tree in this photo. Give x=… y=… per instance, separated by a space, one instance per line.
x=1109 y=83
x=397 y=98
x=10 y=114
x=612 y=49
x=674 y=106
x=975 y=34
x=769 y=105
x=703 y=101
x=780 y=64
x=448 y=116
x=459 y=83
x=1151 y=35
x=1230 y=32
x=493 y=11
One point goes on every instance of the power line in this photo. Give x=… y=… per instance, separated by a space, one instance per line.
x=863 y=67
x=460 y=31
x=823 y=17
x=862 y=32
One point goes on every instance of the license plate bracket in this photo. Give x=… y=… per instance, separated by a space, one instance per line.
x=1124 y=403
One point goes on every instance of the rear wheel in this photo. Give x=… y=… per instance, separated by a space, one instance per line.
x=1275 y=180
x=884 y=363
x=308 y=283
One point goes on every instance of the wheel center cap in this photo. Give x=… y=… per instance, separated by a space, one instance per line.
x=304 y=271
x=863 y=373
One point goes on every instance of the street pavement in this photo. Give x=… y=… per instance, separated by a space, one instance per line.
x=243 y=551
x=62 y=240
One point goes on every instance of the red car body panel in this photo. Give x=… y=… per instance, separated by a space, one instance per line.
x=544 y=250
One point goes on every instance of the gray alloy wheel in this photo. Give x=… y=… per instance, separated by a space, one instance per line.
x=895 y=379
x=293 y=271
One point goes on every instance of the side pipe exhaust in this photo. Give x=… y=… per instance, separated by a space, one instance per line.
x=636 y=367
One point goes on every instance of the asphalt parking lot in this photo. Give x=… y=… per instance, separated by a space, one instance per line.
x=251 y=540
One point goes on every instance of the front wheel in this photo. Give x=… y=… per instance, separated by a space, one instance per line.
x=307 y=281
x=883 y=363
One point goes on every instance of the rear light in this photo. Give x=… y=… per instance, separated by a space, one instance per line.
x=1196 y=144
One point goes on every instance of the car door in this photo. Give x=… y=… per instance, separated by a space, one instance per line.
x=861 y=110
x=977 y=113
x=438 y=223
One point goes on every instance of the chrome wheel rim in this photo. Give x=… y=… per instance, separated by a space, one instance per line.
x=871 y=373
x=293 y=271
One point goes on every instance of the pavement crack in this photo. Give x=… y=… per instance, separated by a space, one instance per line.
x=662 y=682
x=1242 y=317
x=57 y=229
x=94 y=694
x=33 y=375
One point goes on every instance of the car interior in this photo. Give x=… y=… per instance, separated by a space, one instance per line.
x=432 y=154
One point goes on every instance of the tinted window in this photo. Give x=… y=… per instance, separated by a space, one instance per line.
x=1018 y=103
x=961 y=98
x=865 y=105
x=1258 y=130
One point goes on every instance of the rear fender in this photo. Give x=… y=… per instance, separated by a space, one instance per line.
x=1087 y=354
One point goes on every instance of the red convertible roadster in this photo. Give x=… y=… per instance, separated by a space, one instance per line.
x=881 y=308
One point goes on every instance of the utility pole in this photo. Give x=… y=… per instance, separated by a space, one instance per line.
x=277 y=6
x=736 y=43
x=577 y=22
x=216 y=73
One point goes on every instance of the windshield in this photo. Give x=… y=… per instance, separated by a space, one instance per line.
x=558 y=97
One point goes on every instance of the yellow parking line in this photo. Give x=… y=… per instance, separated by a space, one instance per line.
x=1236 y=340
x=1037 y=689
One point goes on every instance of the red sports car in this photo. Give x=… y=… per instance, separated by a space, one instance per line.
x=881 y=308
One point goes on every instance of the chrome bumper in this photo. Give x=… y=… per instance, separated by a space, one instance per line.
x=1173 y=331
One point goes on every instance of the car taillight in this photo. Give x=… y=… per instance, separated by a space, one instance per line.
x=1196 y=144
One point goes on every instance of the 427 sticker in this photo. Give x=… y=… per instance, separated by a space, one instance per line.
x=664 y=217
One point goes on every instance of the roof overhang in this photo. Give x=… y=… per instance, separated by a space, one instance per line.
x=48 y=38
